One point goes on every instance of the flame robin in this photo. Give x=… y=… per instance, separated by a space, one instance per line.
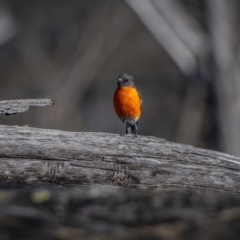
x=127 y=103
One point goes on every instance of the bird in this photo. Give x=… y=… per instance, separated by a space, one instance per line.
x=127 y=103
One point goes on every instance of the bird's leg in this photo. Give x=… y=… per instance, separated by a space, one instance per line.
x=128 y=128
x=121 y=133
x=135 y=132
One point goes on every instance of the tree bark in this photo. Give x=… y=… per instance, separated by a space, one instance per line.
x=37 y=156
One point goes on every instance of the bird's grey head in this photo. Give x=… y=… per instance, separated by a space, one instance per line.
x=125 y=80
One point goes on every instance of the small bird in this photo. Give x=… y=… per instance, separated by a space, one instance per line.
x=127 y=103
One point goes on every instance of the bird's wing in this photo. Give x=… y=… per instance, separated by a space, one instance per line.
x=140 y=98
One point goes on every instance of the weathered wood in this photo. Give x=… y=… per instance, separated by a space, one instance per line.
x=113 y=213
x=16 y=106
x=38 y=156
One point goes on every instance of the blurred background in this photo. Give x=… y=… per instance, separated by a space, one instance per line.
x=184 y=56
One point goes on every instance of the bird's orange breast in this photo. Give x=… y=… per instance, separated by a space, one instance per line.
x=127 y=102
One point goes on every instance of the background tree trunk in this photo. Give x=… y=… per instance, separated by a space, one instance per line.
x=224 y=35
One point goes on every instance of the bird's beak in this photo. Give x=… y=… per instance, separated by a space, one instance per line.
x=120 y=80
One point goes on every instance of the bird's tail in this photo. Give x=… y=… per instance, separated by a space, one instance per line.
x=132 y=129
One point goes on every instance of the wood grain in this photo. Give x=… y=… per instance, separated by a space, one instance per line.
x=17 y=106
x=39 y=156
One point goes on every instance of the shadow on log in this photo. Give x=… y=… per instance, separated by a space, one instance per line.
x=38 y=156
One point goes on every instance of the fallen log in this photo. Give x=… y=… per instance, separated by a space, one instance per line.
x=39 y=156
